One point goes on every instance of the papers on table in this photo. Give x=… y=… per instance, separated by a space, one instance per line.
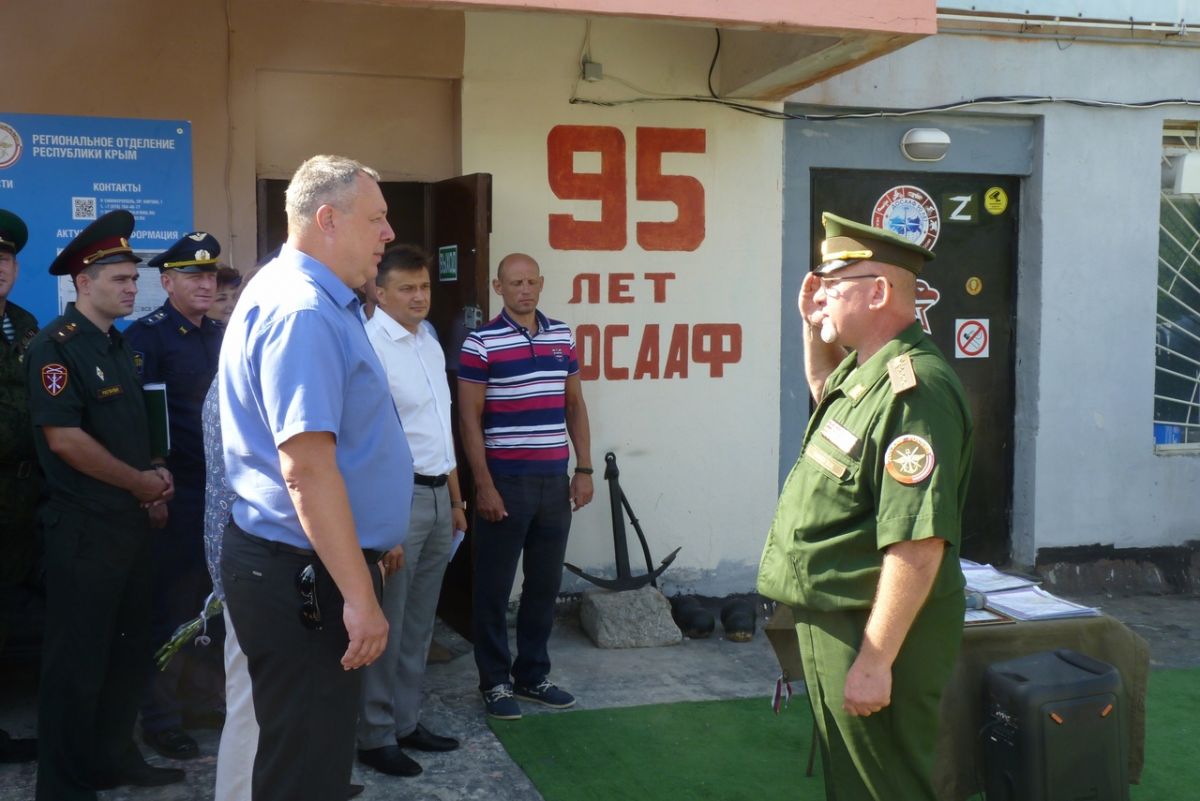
x=1034 y=603
x=1015 y=597
x=985 y=578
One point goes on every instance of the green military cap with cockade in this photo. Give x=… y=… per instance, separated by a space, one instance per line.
x=847 y=242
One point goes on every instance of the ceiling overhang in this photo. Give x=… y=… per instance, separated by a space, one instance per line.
x=770 y=48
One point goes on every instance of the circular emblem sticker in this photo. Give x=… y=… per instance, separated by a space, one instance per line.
x=995 y=200
x=909 y=459
x=974 y=285
x=10 y=145
x=910 y=212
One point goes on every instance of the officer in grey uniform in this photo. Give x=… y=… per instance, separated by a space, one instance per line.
x=178 y=345
x=93 y=443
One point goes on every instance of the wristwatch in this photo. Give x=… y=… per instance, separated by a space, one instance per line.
x=458 y=505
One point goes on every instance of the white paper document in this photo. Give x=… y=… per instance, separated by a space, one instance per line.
x=987 y=579
x=456 y=541
x=1034 y=603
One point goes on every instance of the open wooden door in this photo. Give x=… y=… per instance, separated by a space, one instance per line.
x=458 y=222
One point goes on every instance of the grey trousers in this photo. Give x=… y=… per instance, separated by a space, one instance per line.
x=239 y=736
x=390 y=705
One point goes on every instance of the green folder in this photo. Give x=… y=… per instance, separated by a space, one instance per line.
x=156 y=415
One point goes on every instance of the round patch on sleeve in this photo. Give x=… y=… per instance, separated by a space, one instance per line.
x=909 y=459
x=54 y=379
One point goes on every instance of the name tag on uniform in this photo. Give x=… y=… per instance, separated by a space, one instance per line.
x=104 y=393
x=842 y=438
x=825 y=460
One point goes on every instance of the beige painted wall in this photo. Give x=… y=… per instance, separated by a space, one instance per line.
x=697 y=455
x=144 y=58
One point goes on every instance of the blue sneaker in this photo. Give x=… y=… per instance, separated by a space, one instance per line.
x=500 y=704
x=545 y=693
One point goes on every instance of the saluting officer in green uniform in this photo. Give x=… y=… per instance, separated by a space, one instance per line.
x=19 y=480
x=864 y=545
x=93 y=442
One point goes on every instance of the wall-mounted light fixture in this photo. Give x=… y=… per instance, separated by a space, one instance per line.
x=925 y=144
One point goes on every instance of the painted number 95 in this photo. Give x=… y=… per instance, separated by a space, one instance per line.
x=609 y=186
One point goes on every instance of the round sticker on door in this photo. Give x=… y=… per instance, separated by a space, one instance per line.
x=995 y=200
x=910 y=212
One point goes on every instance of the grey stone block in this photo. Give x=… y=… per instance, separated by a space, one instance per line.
x=628 y=619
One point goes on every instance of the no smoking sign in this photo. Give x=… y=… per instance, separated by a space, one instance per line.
x=971 y=338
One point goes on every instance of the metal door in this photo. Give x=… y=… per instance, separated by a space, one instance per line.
x=966 y=300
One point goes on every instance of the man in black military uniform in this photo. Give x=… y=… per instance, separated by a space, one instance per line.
x=19 y=479
x=93 y=442
x=178 y=345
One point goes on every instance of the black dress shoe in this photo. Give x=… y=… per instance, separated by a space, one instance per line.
x=423 y=739
x=13 y=749
x=143 y=774
x=354 y=791
x=172 y=743
x=390 y=760
x=209 y=719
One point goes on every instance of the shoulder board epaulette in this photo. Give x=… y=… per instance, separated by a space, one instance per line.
x=154 y=318
x=901 y=373
x=64 y=331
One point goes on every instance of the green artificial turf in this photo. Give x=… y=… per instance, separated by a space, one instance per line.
x=1172 y=738
x=737 y=750
x=719 y=750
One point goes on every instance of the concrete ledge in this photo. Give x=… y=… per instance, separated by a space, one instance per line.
x=1131 y=571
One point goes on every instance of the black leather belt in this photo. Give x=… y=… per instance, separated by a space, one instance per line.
x=371 y=555
x=430 y=481
x=22 y=470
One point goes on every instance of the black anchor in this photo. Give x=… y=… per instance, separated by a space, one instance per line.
x=625 y=579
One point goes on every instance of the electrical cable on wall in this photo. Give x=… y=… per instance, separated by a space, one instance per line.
x=650 y=96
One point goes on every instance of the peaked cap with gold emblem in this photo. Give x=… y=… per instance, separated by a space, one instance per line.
x=13 y=232
x=847 y=242
x=194 y=253
x=105 y=241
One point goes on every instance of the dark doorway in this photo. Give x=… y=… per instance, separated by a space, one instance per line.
x=453 y=218
x=968 y=304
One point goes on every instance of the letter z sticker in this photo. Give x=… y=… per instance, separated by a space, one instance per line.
x=909 y=459
x=54 y=379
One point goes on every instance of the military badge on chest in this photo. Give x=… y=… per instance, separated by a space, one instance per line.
x=909 y=459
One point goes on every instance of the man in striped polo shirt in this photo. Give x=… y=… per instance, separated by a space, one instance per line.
x=519 y=399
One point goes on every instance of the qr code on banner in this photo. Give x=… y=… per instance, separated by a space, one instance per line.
x=83 y=208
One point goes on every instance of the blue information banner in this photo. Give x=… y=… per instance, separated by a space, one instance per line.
x=60 y=173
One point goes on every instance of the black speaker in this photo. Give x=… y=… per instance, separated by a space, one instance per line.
x=1054 y=730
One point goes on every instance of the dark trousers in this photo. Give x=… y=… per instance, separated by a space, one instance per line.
x=305 y=703
x=535 y=532
x=194 y=679
x=96 y=655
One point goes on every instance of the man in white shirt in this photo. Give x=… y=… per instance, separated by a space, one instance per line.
x=389 y=714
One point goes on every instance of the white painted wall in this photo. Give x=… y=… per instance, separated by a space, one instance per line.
x=1086 y=350
x=697 y=456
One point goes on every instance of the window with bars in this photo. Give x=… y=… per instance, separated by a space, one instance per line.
x=1177 y=337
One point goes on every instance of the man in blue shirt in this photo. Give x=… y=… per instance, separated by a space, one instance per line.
x=312 y=446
